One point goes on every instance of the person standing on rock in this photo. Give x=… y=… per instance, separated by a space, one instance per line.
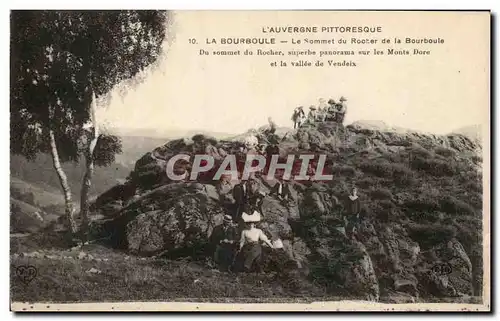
x=341 y=110
x=311 y=117
x=251 y=248
x=243 y=193
x=241 y=196
x=298 y=116
x=223 y=240
x=353 y=209
x=224 y=189
x=331 y=111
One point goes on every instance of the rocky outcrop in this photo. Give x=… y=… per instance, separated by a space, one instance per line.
x=412 y=188
x=457 y=142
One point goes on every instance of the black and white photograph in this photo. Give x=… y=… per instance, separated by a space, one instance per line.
x=278 y=160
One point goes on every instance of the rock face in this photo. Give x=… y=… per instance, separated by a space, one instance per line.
x=421 y=207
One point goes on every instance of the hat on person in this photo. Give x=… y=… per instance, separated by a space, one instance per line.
x=331 y=101
x=255 y=217
x=343 y=99
x=228 y=218
x=278 y=244
x=312 y=107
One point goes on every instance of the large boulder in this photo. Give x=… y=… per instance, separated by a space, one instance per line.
x=446 y=271
x=344 y=267
x=184 y=226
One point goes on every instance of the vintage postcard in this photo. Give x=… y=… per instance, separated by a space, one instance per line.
x=250 y=160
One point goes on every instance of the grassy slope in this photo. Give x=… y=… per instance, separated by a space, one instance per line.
x=43 y=195
x=127 y=278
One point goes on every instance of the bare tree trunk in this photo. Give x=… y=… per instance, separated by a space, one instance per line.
x=64 y=184
x=89 y=158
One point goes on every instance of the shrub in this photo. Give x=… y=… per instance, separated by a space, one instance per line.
x=403 y=175
x=418 y=150
x=435 y=167
x=452 y=205
x=424 y=204
x=444 y=151
x=477 y=159
x=424 y=217
x=475 y=199
x=428 y=235
x=381 y=193
x=379 y=167
x=383 y=210
x=369 y=181
x=344 y=170
x=398 y=173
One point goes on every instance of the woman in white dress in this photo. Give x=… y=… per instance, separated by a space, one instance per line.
x=250 y=245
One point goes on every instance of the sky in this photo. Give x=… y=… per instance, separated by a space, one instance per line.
x=438 y=93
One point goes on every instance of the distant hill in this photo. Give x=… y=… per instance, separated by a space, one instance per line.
x=42 y=194
x=168 y=133
x=41 y=173
x=473 y=132
x=32 y=206
x=133 y=147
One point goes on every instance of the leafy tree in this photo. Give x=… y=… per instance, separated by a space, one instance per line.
x=61 y=63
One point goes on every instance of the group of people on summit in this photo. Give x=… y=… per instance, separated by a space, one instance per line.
x=237 y=243
x=326 y=111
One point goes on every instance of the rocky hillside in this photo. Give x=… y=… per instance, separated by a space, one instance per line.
x=422 y=206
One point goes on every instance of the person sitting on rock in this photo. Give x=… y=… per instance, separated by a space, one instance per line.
x=255 y=202
x=250 y=245
x=282 y=191
x=353 y=209
x=223 y=242
x=272 y=127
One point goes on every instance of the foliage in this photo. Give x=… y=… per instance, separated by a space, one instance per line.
x=428 y=235
x=381 y=193
x=400 y=174
x=435 y=167
x=444 y=151
x=106 y=143
x=59 y=57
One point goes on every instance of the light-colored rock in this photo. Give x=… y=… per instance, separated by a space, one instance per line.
x=93 y=271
